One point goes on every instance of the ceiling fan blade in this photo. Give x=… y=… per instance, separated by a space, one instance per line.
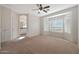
x=45 y=11
x=46 y=7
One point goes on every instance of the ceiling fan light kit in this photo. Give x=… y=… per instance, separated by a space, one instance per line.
x=45 y=9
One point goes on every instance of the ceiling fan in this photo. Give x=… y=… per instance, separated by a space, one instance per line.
x=42 y=8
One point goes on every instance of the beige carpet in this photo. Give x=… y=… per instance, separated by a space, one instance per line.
x=40 y=45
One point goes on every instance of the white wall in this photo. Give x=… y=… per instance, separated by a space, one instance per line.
x=74 y=28
x=33 y=25
x=14 y=25
x=68 y=26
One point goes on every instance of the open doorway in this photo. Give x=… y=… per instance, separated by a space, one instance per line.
x=22 y=26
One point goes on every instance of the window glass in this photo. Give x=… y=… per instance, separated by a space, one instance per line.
x=57 y=24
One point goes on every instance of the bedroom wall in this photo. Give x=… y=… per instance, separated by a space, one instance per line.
x=33 y=25
x=14 y=25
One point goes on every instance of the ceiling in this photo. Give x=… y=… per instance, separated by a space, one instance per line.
x=28 y=8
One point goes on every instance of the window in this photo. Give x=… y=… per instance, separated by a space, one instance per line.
x=57 y=24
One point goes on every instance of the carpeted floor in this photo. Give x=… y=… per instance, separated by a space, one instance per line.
x=40 y=45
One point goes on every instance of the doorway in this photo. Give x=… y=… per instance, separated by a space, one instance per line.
x=22 y=26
